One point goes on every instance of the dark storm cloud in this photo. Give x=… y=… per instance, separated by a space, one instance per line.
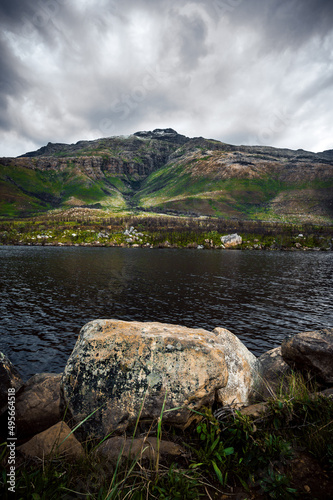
x=10 y=80
x=288 y=24
x=13 y=11
x=28 y=18
x=281 y=21
x=12 y=83
x=238 y=70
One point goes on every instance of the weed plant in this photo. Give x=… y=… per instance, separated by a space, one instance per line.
x=225 y=452
x=179 y=232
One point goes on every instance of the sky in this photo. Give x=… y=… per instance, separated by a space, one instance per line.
x=239 y=71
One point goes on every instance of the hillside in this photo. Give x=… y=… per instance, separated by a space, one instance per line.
x=163 y=171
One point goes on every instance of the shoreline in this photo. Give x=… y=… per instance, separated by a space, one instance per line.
x=161 y=246
x=165 y=233
x=48 y=431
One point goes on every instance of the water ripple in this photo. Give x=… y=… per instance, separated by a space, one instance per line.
x=48 y=294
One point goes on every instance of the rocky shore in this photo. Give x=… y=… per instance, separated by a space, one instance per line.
x=122 y=375
x=132 y=238
x=115 y=365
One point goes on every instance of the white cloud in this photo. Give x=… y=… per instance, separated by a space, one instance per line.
x=241 y=72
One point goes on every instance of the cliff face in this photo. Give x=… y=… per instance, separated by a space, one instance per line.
x=137 y=155
x=95 y=167
x=162 y=170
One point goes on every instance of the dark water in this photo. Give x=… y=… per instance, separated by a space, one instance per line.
x=47 y=294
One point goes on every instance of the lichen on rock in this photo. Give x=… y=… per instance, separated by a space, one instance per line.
x=242 y=370
x=117 y=366
x=120 y=371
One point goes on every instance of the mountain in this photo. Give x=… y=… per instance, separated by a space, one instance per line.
x=161 y=171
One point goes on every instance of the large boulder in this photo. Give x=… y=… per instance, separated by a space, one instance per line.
x=311 y=352
x=119 y=368
x=9 y=379
x=38 y=404
x=242 y=368
x=273 y=374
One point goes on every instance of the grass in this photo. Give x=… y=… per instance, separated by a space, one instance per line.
x=186 y=185
x=175 y=186
x=226 y=452
x=26 y=191
x=154 y=231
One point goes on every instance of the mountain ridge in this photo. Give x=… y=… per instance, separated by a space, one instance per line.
x=162 y=170
x=170 y=134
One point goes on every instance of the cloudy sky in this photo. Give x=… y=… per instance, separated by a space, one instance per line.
x=241 y=71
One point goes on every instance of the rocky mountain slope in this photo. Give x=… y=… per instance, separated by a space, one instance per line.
x=165 y=171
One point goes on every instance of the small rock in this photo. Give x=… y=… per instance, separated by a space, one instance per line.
x=328 y=393
x=37 y=405
x=254 y=410
x=138 y=448
x=272 y=374
x=9 y=378
x=56 y=441
x=312 y=352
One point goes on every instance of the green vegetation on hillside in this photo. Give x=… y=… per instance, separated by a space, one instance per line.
x=26 y=192
x=162 y=171
x=171 y=182
x=174 y=188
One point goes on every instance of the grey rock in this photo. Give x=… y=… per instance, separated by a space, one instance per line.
x=255 y=411
x=231 y=240
x=242 y=368
x=328 y=393
x=38 y=404
x=138 y=448
x=119 y=370
x=311 y=352
x=118 y=366
x=273 y=373
x=9 y=378
x=166 y=134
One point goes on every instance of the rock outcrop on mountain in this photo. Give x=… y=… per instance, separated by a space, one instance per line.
x=161 y=170
x=137 y=155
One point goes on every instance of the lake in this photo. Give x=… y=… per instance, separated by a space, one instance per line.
x=49 y=293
